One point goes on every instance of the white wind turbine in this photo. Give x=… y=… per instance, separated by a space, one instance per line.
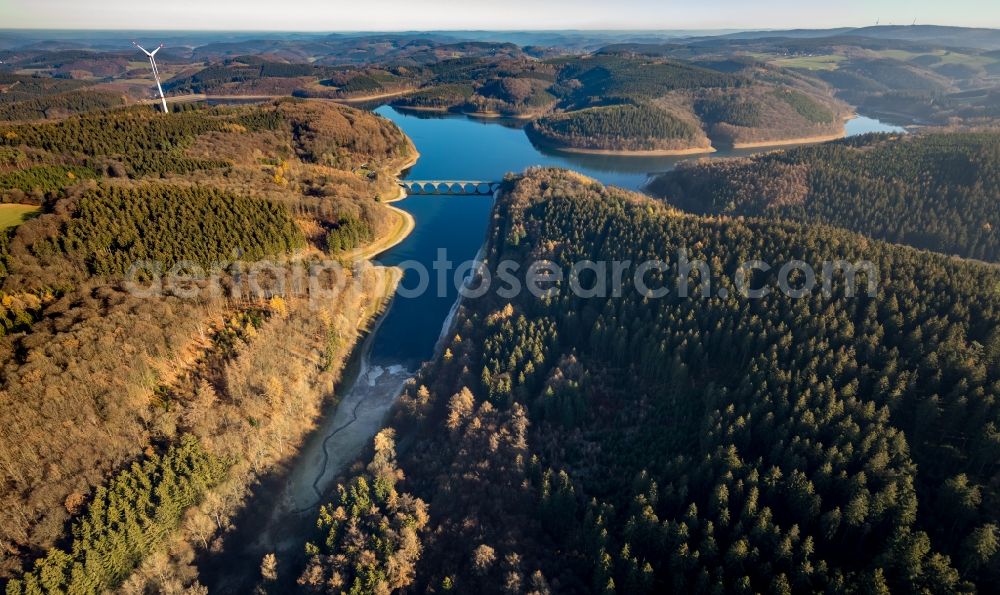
x=156 y=71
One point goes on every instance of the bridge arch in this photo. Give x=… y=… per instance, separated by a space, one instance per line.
x=450 y=187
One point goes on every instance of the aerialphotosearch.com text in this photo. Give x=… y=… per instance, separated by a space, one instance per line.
x=680 y=276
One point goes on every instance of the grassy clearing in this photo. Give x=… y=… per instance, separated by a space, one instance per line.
x=958 y=58
x=901 y=55
x=832 y=61
x=946 y=56
x=14 y=215
x=824 y=62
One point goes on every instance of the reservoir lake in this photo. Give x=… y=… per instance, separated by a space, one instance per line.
x=451 y=147
x=459 y=147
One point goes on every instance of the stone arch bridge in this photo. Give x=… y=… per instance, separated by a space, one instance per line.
x=450 y=187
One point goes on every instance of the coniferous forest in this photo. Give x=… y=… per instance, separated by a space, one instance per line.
x=933 y=191
x=126 y=522
x=116 y=227
x=703 y=445
x=602 y=127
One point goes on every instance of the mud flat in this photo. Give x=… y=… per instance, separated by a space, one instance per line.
x=346 y=428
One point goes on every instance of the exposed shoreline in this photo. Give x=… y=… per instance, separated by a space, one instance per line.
x=541 y=140
x=466 y=113
x=344 y=427
x=805 y=140
x=637 y=153
x=367 y=393
x=421 y=108
x=404 y=226
x=278 y=515
x=367 y=98
x=500 y=116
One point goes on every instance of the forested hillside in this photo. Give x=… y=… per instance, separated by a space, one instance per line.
x=625 y=102
x=59 y=105
x=621 y=127
x=25 y=97
x=135 y=424
x=935 y=191
x=519 y=88
x=932 y=80
x=705 y=445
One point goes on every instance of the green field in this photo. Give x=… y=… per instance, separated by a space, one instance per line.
x=947 y=57
x=824 y=62
x=832 y=61
x=14 y=215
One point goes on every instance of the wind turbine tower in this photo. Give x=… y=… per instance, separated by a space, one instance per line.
x=156 y=71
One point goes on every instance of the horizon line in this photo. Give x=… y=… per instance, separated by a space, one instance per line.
x=487 y=30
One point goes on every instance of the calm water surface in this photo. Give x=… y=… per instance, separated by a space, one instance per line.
x=455 y=224
x=864 y=125
x=453 y=148
x=457 y=147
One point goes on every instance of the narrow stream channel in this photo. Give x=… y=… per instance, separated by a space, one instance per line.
x=452 y=147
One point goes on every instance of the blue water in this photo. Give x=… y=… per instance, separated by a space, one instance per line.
x=456 y=224
x=864 y=125
x=457 y=147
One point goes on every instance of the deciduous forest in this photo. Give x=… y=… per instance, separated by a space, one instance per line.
x=133 y=426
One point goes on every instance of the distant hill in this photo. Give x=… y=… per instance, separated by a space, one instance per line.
x=909 y=75
x=969 y=37
x=912 y=75
x=620 y=101
x=939 y=191
x=948 y=36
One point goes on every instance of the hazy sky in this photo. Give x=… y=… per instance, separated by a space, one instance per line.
x=388 y=15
